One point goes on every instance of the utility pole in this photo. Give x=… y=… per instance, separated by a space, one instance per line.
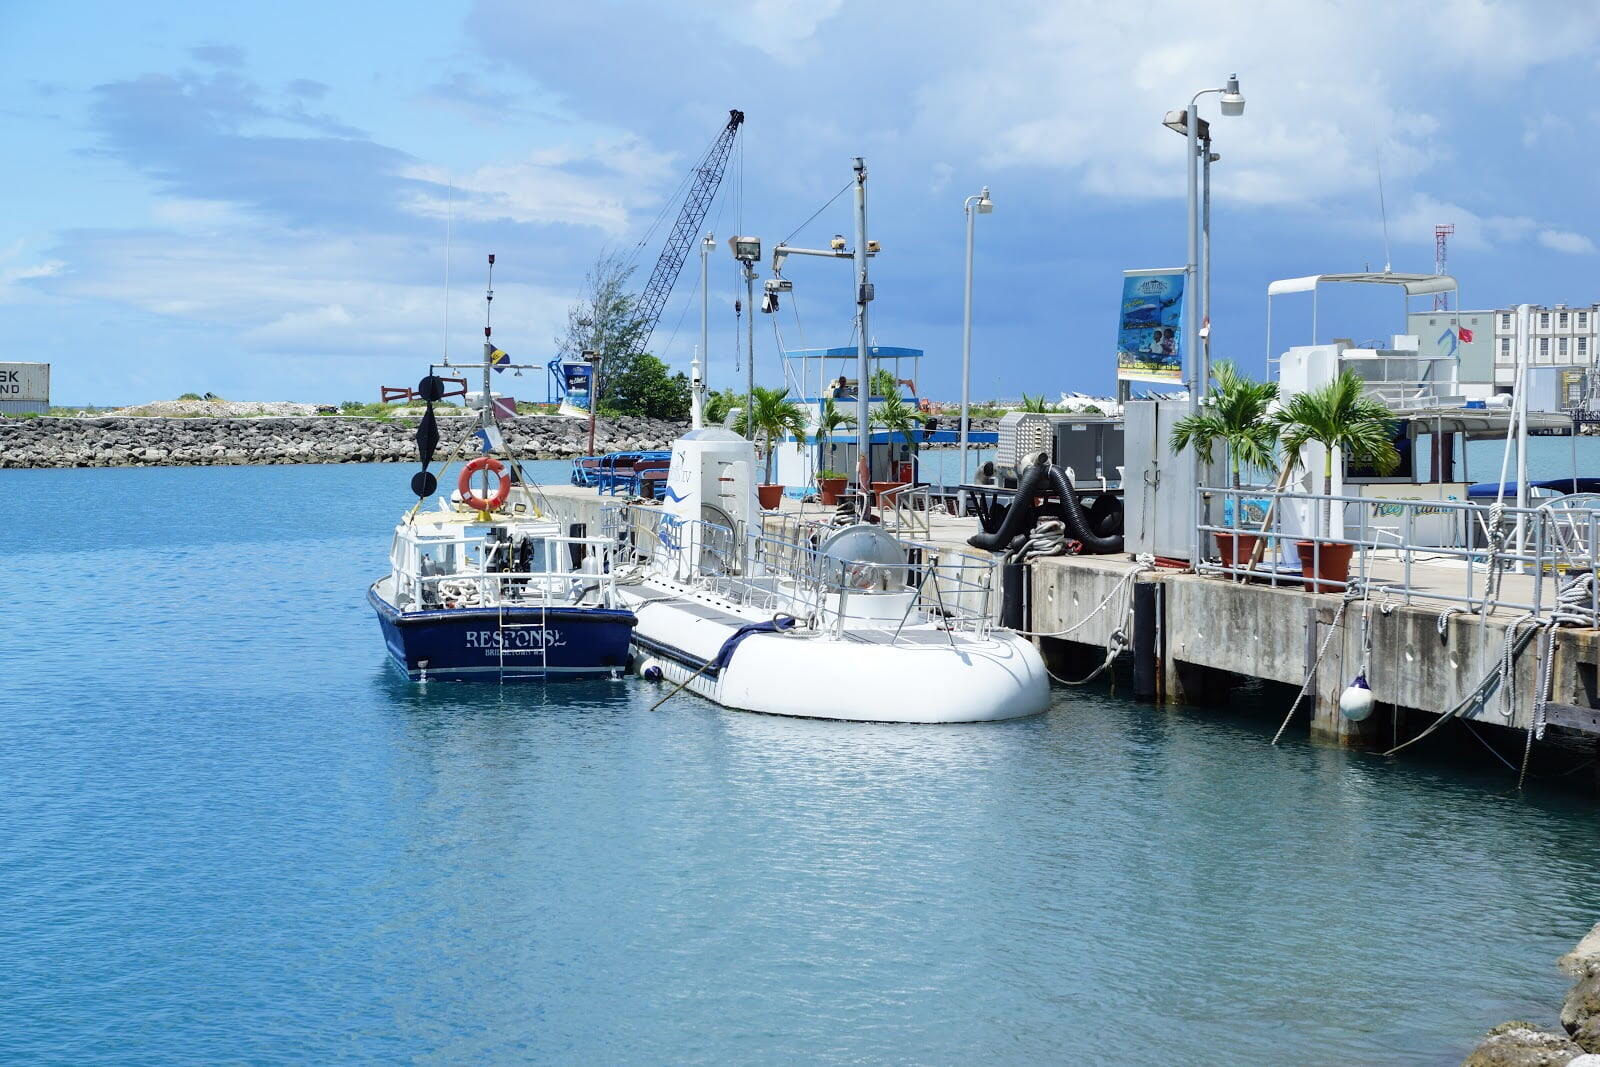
x=697 y=381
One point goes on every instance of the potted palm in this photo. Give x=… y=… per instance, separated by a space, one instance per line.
x=774 y=415
x=831 y=482
x=1339 y=415
x=1236 y=415
x=896 y=416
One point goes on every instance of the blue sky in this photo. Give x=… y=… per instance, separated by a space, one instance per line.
x=251 y=199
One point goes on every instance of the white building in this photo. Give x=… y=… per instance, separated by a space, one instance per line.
x=1486 y=343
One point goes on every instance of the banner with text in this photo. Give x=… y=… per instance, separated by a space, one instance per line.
x=1150 y=330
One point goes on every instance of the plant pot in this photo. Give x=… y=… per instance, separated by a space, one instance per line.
x=880 y=488
x=770 y=496
x=1236 y=549
x=1330 y=561
x=831 y=488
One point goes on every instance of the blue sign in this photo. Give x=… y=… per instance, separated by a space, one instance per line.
x=577 y=377
x=1150 y=329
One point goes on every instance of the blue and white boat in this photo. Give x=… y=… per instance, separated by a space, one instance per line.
x=511 y=597
x=488 y=585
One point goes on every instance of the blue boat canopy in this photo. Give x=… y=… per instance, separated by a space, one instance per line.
x=1560 y=485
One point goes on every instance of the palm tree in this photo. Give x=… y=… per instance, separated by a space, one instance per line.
x=829 y=419
x=896 y=416
x=1034 y=403
x=1236 y=414
x=1339 y=415
x=774 y=415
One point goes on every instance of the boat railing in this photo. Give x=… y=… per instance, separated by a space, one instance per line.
x=1458 y=552
x=785 y=573
x=478 y=585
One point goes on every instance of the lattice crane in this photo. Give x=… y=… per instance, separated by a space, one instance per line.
x=703 y=186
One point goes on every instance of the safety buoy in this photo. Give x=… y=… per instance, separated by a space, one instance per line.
x=473 y=500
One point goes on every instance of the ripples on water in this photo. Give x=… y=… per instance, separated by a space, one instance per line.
x=232 y=833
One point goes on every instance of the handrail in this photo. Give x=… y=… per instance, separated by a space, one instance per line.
x=1391 y=552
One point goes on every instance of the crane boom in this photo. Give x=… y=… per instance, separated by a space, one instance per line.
x=702 y=190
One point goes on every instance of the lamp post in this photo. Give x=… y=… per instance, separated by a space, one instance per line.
x=594 y=359
x=1188 y=122
x=747 y=250
x=975 y=205
x=697 y=380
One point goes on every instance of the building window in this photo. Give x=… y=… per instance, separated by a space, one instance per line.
x=1544 y=348
x=1561 y=320
x=1544 y=320
x=1505 y=347
x=1561 y=347
x=1583 y=346
x=1505 y=321
x=1583 y=320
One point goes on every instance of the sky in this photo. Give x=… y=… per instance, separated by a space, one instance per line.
x=264 y=200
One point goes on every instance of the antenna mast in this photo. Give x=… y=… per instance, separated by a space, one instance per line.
x=1441 y=256
x=1383 y=213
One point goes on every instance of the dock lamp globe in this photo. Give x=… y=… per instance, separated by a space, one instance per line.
x=747 y=250
x=975 y=205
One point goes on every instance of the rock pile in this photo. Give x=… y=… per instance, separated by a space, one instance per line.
x=177 y=442
x=1522 y=1044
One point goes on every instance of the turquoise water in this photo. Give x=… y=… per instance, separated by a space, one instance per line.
x=232 y=833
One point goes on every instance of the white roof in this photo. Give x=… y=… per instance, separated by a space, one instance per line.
x=1415 y=284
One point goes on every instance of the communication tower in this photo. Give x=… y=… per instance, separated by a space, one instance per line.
x=1441 y=255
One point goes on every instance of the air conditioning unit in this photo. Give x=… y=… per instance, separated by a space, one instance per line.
x=1091 y=445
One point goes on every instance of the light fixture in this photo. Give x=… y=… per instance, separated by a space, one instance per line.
x=984 y=204
x=745 y=249
x=1178 y=122
x=837 y=244
x=873 y=247
x=1232 y=98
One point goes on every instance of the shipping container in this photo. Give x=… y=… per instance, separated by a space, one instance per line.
x=24 y=388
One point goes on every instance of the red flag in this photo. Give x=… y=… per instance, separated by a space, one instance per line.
x=1463 y=335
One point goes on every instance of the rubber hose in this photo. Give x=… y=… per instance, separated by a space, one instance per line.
x=1077 y=521
x=1021 y=514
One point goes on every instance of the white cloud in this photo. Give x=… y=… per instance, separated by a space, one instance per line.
x=1081 y=88
x=1566 y=241
x=602 y=185
x=15 y=268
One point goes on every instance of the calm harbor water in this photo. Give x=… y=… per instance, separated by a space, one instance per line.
x=232 y=833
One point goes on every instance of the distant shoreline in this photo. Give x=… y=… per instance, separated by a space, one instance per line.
x=50 y=441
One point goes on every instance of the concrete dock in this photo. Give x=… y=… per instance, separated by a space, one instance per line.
x=1211 y=632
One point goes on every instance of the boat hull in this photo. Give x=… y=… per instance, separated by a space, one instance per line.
x=509 y=645
x=922 y=675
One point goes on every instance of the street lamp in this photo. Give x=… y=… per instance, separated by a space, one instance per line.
x=594 y=359
x=975 y=205
x=747 y=250
x=1189 y=124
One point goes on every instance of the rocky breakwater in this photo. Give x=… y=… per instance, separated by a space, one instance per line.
x=1576 y=1044
x=180 y=442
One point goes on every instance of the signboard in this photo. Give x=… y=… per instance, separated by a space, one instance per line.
x=1150 y=328
x=1467 y=336
x=24 y=387
x=577 y=377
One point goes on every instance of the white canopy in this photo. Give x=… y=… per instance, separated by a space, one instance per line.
x=1414 y=284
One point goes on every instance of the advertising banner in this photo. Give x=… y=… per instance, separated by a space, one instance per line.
x=578 y=376
x=1150 y=328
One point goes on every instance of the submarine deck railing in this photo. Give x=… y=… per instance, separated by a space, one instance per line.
x=1470 y=550
x=784 y=573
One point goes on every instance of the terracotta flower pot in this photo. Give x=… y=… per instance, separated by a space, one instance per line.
x=770 y=496
x=1330 y=561
x=1236 y=549
x=831 y=488
x=880 y=488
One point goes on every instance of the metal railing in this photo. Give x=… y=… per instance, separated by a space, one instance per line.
x=478 y=586
x=1453 y=551
x=784 y=573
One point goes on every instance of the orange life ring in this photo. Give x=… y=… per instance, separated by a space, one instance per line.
x=471 y=499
